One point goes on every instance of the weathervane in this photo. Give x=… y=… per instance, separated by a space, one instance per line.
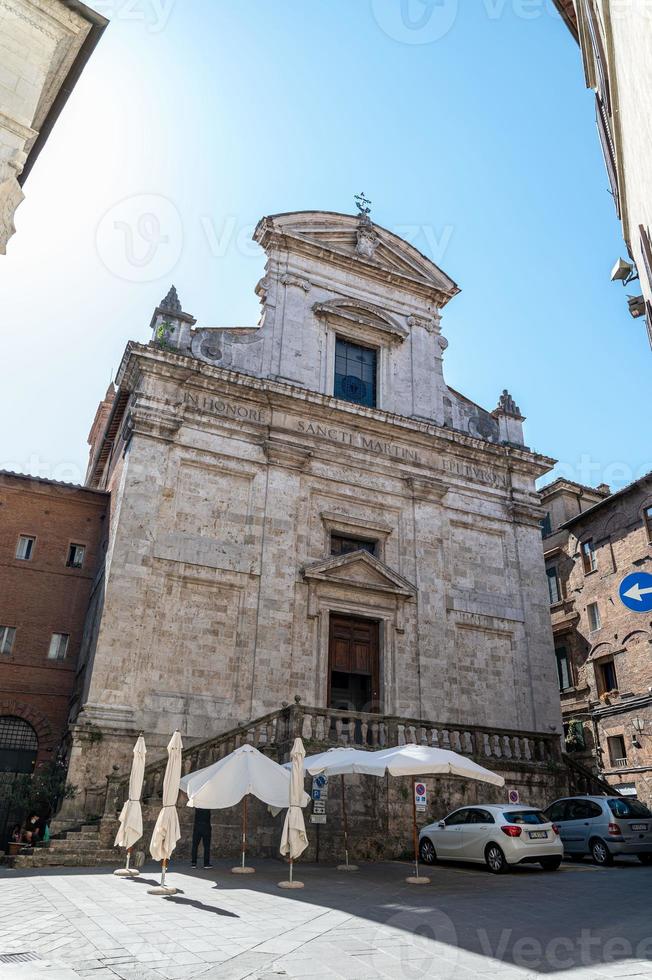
x=362 y=204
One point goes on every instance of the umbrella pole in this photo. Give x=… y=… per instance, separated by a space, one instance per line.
x=127 y=871
x=346 y=866
x=416 y=879
x=243 y=869
x=244 y=831
x=162 y=889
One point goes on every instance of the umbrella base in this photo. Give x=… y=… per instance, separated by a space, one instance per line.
x=290 y=884
x=126 y=873
x=243 y=871
x=162 y=890
x=347 y=867
x=421 y=880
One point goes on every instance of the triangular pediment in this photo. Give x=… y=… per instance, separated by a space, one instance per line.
x=361 y=570
x=339 y=234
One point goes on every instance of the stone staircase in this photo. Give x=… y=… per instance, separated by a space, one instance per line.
x=583 y=781
x=81 y=847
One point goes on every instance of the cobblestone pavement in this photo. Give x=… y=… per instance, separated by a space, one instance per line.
x=582 y=922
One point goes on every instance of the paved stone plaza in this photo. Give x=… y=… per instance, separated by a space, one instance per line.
x=582 y=922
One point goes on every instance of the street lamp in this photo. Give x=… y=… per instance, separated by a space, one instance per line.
x=639 y=724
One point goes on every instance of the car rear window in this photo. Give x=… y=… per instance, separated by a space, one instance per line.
x=628 y=808
x=525 y=816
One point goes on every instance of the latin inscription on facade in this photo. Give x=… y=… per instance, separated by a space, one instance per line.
x=220 y=406
x=357 y=440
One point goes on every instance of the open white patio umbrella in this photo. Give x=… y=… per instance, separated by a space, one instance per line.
x=226 y=782
x=295 y=840
x=166 y=830
x=131 y=816
x=340 y=762
x=422 y=760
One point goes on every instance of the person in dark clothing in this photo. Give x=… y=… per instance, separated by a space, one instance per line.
x=201 y=831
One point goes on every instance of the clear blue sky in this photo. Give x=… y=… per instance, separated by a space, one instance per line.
x=466 y=123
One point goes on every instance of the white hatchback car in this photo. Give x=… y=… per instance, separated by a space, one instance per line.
x=498 y=836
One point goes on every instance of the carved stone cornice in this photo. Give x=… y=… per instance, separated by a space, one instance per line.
x=429 y=323
x=427 y=489
x=287 y=454
x=289 y=280
x=523 y=512
x=153 y=424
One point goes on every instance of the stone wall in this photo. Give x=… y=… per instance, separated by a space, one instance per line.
x=40 y=43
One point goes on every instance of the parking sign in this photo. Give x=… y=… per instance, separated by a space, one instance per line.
x=420 y=796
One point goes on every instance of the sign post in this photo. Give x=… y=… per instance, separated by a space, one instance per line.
x=319 y=797
x=635 y=592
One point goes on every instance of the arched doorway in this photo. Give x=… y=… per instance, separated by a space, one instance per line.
x=18 y=751
x=18 y=745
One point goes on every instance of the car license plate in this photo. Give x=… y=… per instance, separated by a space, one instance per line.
x=538 y=834
x=639 y=826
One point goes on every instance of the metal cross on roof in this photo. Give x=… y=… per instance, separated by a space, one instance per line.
x=362 y=203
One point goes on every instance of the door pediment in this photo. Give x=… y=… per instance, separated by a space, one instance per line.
x=360 y=570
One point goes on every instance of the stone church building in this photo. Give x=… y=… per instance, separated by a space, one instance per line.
x=305 y=513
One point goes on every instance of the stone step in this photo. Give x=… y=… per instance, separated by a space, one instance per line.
x=46 y=859
x=80 y=835
x=73 y=846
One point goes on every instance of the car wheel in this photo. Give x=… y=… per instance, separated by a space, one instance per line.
x=495 y=859
x=645 y=858
x=600 y=852
x=550 y=864
x=427 y=851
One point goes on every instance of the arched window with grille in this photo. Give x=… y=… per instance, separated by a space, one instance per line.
x=18 y=745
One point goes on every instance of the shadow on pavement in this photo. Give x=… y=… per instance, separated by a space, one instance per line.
x=201 y=906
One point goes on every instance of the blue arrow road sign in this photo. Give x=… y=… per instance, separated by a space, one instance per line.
x=636 y=592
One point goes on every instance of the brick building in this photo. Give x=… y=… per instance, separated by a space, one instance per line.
x=593 y=540
x=51 y=542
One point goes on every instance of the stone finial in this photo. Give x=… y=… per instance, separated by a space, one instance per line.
x=171 y=302
x=171 y=327
x=507 y=405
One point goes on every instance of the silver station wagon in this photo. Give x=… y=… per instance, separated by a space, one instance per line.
x=603 y=826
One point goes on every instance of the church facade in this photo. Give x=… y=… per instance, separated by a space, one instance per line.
x=305 y=510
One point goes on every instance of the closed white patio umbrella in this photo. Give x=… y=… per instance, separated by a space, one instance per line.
x=131 y=816
x=226 y=782
x=166 y=830
x=295 y=840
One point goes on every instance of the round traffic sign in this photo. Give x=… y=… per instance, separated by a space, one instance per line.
x=636 y=592
x=420 y=789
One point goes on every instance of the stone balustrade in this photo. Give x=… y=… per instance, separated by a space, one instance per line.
x=322 y=728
